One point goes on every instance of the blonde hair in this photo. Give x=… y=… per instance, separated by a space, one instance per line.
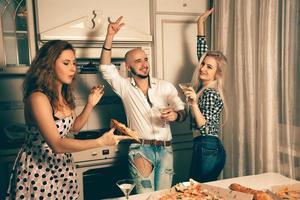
x=218 y=84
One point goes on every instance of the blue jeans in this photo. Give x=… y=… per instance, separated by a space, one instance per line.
x=161 y=159
x=208 y=158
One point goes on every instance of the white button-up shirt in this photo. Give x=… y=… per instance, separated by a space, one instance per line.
x=142 y=113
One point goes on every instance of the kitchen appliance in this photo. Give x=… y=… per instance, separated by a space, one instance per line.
x=99 y=169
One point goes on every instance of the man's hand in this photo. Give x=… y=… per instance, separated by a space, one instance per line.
x=168 y=114
x=114 y=27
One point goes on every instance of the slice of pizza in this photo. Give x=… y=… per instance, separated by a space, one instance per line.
x=125 y=130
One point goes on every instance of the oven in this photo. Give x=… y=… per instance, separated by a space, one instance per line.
x=99 y=169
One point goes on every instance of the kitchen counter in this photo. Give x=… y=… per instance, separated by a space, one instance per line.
x=260 y=181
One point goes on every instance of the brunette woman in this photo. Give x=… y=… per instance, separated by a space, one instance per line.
x=44 y=168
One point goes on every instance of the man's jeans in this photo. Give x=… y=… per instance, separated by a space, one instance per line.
x=161 y=159
x=208 y=158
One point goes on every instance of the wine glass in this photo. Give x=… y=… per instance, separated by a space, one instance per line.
x=184 y=87
x=126 y=185
x=156 y=112
x=161 y=111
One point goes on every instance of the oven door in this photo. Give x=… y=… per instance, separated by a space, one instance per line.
x=98 y=180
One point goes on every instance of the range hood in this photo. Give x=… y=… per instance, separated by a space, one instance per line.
x=89 y=19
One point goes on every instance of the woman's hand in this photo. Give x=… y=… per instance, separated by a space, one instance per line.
x=95 y=95
x=114 y=27
x=201 y=21
x=191 y=95
x=110 y=139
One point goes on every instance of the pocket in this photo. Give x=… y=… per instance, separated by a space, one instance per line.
x=209 y=148
x=134 y=146
x=169 y=149
x=209 y=152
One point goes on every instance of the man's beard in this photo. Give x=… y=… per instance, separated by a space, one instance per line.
x=134 y=72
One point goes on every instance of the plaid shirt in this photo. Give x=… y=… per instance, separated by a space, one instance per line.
x=210 y=103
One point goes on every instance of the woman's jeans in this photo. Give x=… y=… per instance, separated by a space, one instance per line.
x=208 y=158
x=161 y=159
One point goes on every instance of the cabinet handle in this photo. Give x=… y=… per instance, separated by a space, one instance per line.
x=184 y=5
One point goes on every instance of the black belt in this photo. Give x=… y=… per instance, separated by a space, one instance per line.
x=156 y=142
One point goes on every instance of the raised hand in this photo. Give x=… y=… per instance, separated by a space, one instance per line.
x=201 y=21
x=191 y=95
x=95 y=95
x=114 y=27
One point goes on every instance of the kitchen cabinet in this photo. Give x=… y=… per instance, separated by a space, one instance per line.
x=88 y=20
x=180 y=6
x=17 y=42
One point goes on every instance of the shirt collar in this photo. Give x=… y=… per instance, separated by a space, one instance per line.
x=152 y=81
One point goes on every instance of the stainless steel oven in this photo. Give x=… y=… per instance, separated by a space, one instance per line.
x=99 y=169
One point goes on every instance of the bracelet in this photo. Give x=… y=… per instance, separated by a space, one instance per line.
x=107 y=49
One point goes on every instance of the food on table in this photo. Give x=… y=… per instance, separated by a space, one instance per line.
x=290 y=194
x=191 y=191
x=257 y=194
x=125 y=130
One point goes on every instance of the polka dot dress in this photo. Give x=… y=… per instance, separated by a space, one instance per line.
x=39 y=173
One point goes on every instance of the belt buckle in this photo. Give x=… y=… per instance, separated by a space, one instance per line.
x=165 y=143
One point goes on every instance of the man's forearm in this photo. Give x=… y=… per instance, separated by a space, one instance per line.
x=106 y=51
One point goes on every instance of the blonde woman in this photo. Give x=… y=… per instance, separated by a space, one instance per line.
x=207 y=104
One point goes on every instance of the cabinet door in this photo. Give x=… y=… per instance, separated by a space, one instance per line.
x=175 y=41
x=17 y=45
x=175 y=53
x=181 y=6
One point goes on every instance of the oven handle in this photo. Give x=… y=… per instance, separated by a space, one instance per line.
x=102 y=165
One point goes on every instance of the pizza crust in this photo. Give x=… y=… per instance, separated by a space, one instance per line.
x=125 y=130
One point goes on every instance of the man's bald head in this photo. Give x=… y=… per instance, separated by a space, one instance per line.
x=129 y=54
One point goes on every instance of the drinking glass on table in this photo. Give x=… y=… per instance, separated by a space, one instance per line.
x=126 y=185
x=184 y=87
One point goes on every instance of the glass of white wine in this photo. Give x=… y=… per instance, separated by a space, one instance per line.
x=126 y=185
x=184 y=87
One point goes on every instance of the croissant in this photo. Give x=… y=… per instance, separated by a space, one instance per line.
x=257 y=194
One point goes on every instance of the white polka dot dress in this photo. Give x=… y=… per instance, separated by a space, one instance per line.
x=39 y=173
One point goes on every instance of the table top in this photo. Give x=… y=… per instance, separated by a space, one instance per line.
x=259 y=182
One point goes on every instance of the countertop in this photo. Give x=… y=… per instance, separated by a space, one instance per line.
x=260 y=181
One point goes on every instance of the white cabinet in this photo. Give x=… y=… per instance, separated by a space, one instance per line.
x=175 y=38
x=180 y=6
x=87 y=20
x=175 y=47
x=17 y=41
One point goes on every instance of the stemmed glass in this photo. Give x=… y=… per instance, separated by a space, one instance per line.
x=184 y=87
x=126 y=185
x=158 y=111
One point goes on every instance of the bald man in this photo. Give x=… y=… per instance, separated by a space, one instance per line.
x=149 y=104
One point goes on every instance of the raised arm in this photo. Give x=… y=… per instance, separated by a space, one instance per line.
x=201 y=41
x=112 y=29
x=94 y=97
